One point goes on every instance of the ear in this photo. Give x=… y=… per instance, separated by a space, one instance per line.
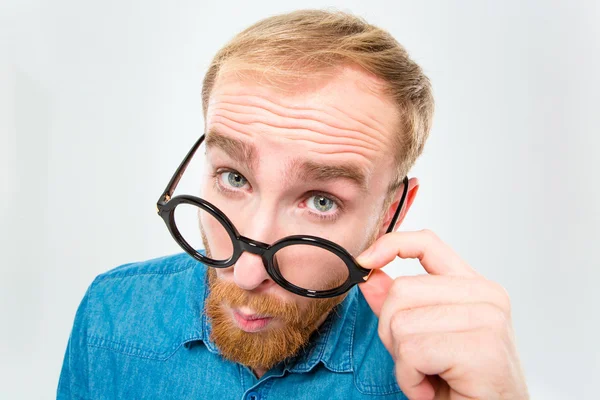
x=413 y=188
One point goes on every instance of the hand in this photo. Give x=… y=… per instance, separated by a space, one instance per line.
x=449 y=332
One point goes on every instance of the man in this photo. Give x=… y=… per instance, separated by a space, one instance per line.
x=312 y=121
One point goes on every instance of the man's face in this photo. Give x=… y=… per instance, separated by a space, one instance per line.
x=315 y=160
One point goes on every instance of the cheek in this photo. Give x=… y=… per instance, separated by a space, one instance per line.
x=311 y=267
x=356 y=231
x=224 y=274
x=302 y=302
x=216 y=236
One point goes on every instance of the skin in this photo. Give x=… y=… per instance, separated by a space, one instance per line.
x=434 y=324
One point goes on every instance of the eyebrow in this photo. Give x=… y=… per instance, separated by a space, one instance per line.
x=312 y=171
x=238 y=150
x=302 y=170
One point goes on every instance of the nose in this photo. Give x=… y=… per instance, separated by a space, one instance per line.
x=249 y=273
x=258 y=228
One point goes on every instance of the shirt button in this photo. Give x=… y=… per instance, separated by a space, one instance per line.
x=253 y=396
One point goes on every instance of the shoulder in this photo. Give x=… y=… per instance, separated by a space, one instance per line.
x=147 y=308
x=165 y=265
x=146 y=282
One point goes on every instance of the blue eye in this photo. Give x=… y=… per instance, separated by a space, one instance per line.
x=234 y=179
x=321 y=203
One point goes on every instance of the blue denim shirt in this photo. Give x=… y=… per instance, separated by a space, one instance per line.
x=141 y=333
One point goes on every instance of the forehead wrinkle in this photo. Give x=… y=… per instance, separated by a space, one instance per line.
x=300 y=128
x=311 y=171
x=329 y=144
x=239 y=102
x=239 y=150
x=329 y=120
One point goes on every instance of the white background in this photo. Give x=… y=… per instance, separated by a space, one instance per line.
x=99 y=102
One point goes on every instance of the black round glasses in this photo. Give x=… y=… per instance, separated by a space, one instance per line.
x=306 y=265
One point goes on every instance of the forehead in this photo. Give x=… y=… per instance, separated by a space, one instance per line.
x=339 y=118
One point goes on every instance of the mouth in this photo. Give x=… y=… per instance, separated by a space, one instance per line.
x=250 y=322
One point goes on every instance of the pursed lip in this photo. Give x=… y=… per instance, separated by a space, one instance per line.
x=250 y=322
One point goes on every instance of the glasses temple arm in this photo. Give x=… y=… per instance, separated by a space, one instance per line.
x=166 y=196
x=397 y=213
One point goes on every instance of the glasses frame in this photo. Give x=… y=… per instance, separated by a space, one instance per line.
x=165 y=207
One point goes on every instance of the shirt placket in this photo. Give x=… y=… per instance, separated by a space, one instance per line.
x=258 y=389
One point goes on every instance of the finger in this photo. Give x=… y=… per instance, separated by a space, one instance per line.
x=419 y=360
x=446 y=319
x=435 y=256
x=409 y=292
x=376 y=290
x=414 y=384
x=442 y=354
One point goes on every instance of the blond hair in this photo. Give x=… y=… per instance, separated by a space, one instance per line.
x=288 y=46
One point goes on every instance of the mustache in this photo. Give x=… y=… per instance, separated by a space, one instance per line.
x=230 y=294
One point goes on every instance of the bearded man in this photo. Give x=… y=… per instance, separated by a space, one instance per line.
x=313 y=120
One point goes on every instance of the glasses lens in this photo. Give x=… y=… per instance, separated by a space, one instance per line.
x=200 y=229
x=311 y=267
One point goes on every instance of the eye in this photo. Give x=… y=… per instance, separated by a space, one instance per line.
x=233 y=179
x=321 y=203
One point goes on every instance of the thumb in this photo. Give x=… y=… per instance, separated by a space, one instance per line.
x=376 y=289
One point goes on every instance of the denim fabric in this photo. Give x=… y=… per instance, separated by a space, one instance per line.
x=140 y=333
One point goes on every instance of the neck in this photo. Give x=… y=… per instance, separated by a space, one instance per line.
x=259 y=372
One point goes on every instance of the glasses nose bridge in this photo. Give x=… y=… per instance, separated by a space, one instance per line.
x=253 y=246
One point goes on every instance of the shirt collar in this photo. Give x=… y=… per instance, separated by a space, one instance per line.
x=331 y=344
x=199 y=325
